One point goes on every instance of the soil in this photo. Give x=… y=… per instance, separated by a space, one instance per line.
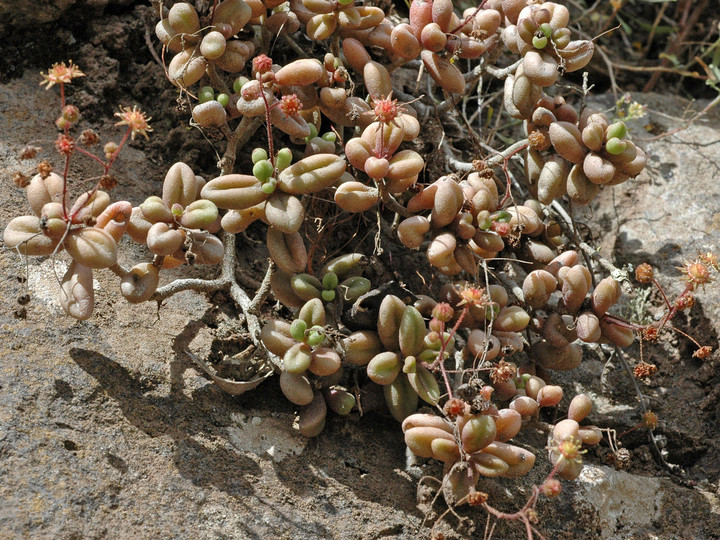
x=109 y=430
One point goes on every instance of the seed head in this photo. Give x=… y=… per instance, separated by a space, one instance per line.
x=108 y=182
x=88 y=138
x=29 y=151
x=477 y=498
x=503 y=372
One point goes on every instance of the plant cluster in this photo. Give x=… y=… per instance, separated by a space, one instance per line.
x=481 y=351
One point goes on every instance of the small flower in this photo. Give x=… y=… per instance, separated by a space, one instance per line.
x=696 y=273
x=262 y=64
x=443 y=312
x=710 y=259
x=109 y=149
x=473 y=295
x=135 y=119
x=61 y=74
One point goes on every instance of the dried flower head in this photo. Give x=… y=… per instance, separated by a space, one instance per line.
x=650 y=420
x=644 y=273
x=537 y=140
x=477 y=498
x=135 y=120
x=503 y=372
x=703 y=352
x=685 y=301
x=108 y=181
x=456 y=407
x=29 y=151
x=20 y=179
x=44 y=168
x=89 y=138
x=644 y=370
x=650 y=333
x=61 y=74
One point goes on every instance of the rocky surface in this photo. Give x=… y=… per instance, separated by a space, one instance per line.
x=107 y=430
